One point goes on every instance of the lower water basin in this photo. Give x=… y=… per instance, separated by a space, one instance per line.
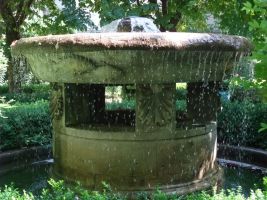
x=34 y=178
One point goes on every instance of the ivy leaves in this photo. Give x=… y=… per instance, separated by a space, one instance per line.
x=257 y=12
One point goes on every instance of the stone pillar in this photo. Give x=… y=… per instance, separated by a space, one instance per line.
x=57 y=112
x=203 y=102
x=84 y=103
x=56 y=101
x=155 y=108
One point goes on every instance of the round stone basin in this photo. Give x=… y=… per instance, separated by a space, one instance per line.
x=124 y=58
x=144 y=148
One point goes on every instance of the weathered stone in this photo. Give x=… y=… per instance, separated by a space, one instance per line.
x=155 y=107
x=128 y=58
x=135 y=162
x=86 y=42
x=151 y=152
x=56 y=101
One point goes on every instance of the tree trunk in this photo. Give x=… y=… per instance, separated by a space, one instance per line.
x=164 y=12
x=12 y=34
x=173 y=20
x=13 y=13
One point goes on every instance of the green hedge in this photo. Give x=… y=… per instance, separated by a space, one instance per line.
x=239 y=122
x=25 y=125
x=31 y=88
x=130 y=104
x=240 y=94
x=26 y=97
x=29 y=94
x=181 y=94
x=59 y=191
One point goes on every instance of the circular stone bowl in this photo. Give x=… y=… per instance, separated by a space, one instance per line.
x=125 y=58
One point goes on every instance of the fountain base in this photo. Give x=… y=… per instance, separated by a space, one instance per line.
x=174 y=162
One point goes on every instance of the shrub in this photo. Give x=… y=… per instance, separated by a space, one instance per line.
x=59 y=190
x=37 y=88
x=30 y=93
x=130 y=104
x=241 y=94
x=245 y=89
x=125 y=104
x=31 y=88
x=11 y=193
x=25 y=125
x=27 y=97
x=180 y=105
x=239 y=122
x=181 y=93
x=263 y=127
x=3 y=89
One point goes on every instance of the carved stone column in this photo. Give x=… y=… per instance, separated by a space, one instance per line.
x=56 y=101
x=203 y=101
x=57 y=113
x=155 y=107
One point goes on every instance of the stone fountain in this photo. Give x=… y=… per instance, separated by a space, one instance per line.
x=145 y=148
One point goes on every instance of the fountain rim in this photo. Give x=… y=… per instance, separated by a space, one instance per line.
x=172 y=41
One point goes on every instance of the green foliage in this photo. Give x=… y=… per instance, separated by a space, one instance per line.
x=184 y=15
x=263 y=127
x=265 y=183
x=238 y=124
x=130 y=104
x=245 y=84
x=192 y=15
x=11 y=193
x=58 y=190
x=245 y=89
x=181 y=93
x=29 y=93
x=231 y=18
x=27 y=97
x=180 y=105
x=25 y=125
x=3 y=104
x=124 y=105
x=228 y=195
x=67 y=19
x=239 y=94
x=24 y=18
x=256 y=11
x=247 y=18
x=45 y=17
x=112 y=10
x=36 y=88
